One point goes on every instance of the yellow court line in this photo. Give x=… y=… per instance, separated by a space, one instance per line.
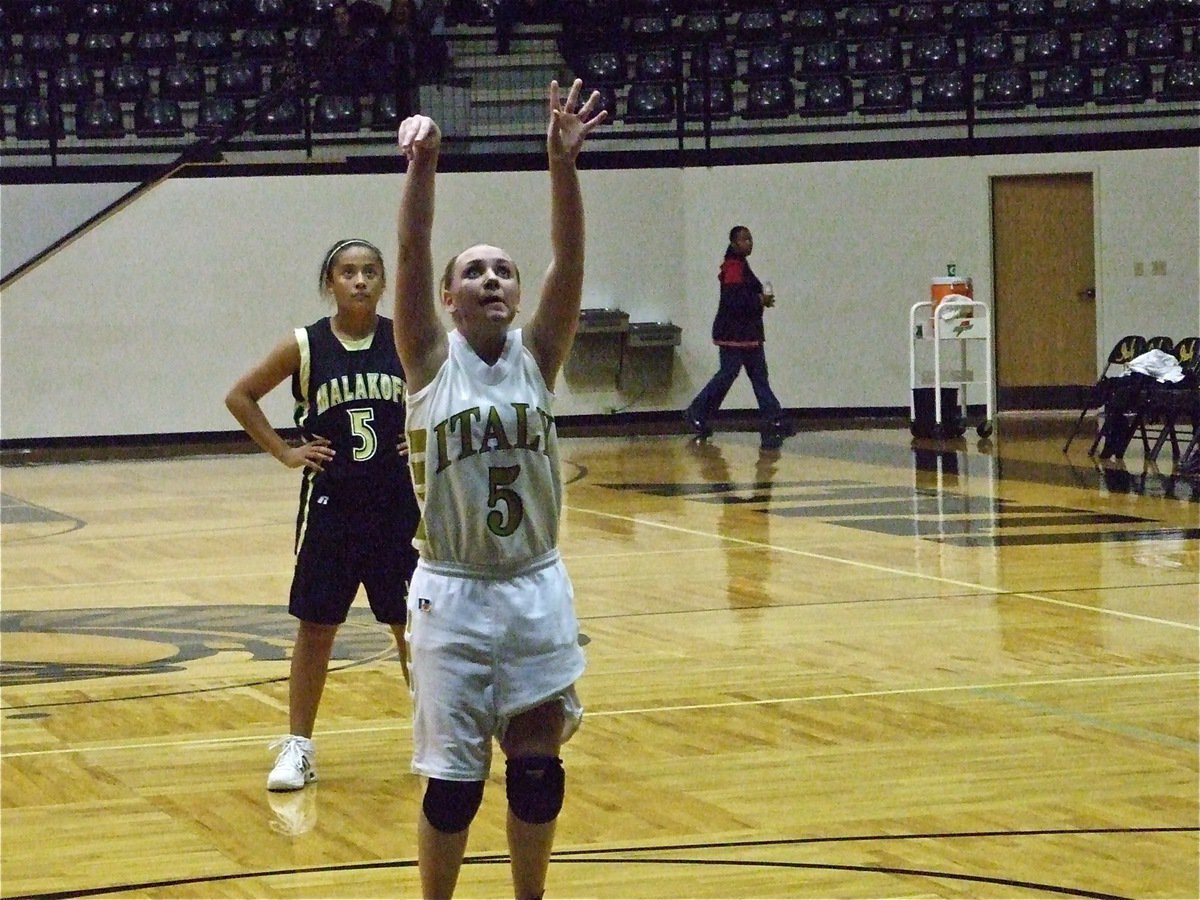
x=889 y=570
x=634 y=711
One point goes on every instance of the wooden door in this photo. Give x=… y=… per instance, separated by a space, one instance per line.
x=1044 y=268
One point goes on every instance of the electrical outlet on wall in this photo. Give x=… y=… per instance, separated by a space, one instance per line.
x=1139 y=268
x=1158 y=267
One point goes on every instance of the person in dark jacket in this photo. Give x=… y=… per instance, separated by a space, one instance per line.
x=738 y=333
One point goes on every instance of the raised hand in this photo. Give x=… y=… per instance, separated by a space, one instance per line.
x=570 y=123
x=419 y=135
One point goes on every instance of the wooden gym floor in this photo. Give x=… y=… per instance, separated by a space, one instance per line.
x=853 y=668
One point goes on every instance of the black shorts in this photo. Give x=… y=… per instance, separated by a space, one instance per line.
x=341 y=547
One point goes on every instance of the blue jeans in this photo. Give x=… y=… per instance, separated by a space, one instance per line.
x=733 y=359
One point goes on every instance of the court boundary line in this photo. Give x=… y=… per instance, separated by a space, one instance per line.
x=633 y=711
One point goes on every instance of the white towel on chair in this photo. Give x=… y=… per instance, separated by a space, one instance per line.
x=1158 y=365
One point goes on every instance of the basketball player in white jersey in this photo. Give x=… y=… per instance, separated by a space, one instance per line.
x=492 y=627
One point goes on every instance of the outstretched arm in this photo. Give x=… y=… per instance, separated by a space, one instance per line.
x=420 y=338
x=552 y=329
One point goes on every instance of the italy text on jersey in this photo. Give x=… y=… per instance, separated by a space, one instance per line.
x=522 y=432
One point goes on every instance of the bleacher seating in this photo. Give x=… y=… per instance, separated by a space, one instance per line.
x=160 y=15
x=935 y=53
x=1162 y=41
x=826 y=95
x=153 y=45
x=769 y=98
x=279 y=116
x=1030 y=14
x=709 y=100
x=1124 y=82
x=126 y=81
x=878 y=55
x=155 y=117
x=650 y=101
x=99 y=48
x=922 y=18
x=1100 y=47
x=656 y=65
x=209 y=44
x=824 y=57
x=336 y=112
x=865 y=20
x=713 y=62
x=44 y=49
x=263 y=42
x=703 y=28
x=814 y=22
x=1181 y=82
x=1009 y=88
x=1085 y=13
x=217 y=115
x=37 y=120
x=99 y=118
x=181 y=81
x=72 y=82
x=734 y=63
x=758 y=26
x=1069 y=84
x=270 y=13
x=650 y=30
x=889 y=92
x=1047 y=48
x=944 y=91
x=17 y=83
x=769 y=60
x=603 y=67
x=974 y=16
x=239 y=78
x=991 y=50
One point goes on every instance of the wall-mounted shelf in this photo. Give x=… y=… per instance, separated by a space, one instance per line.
x=653 y=334
x=608 y=337
x=603 y=321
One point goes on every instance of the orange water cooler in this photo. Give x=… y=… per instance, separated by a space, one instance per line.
x=953 y=285
x=956 y=353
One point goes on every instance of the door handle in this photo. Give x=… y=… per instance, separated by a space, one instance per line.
x=1087 y=294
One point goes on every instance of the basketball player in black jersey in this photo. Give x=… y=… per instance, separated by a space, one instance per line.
x=357 y=511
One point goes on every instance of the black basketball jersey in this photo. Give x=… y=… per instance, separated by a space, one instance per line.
x=353 y=395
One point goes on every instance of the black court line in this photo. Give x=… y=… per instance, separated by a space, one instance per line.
x=1079 y=537
x=919 y=512
x=263 y=632
x=619 y=856
x=15 y=511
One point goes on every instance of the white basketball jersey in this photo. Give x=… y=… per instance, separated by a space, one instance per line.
x=484 y=457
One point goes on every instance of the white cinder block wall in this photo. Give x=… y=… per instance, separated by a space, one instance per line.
x=142 y=324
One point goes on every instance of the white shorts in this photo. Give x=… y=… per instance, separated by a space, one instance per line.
x=483 y=651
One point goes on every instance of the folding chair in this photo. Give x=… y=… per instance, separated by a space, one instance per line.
x=1173 y=409
x=1122 y=352
x=1163 y=342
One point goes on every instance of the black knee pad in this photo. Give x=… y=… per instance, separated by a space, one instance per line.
x=535 y=788
x=450 y=806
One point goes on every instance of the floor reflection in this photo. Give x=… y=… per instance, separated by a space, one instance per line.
x=1012 y=461
x=744 y=504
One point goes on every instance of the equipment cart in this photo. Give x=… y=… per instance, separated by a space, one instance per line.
x=957 y=323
